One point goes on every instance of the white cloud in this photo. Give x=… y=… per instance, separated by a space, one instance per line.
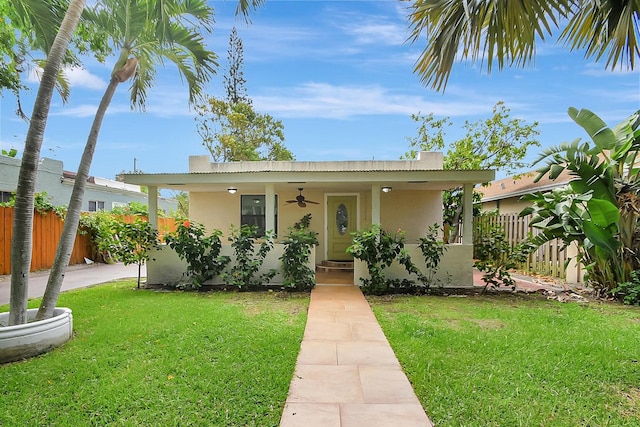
x=78 y=78
x=81 y=77
x=323 y=100
x=600 y=70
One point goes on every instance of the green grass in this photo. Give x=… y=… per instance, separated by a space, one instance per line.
x=142 y=358
x=509 y=361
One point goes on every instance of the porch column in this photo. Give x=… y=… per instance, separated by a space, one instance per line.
x=467 y=214
x=375 y=204
x=153 y=207
x=270 y=207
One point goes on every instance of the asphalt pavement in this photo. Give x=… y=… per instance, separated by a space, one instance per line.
x=77 y=276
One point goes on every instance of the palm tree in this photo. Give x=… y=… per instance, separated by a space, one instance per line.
x=506 y=32
x=146 y=32
x=23 y=212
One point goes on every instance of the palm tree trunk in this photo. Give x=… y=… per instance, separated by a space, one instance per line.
x=23 y=212
x=67 y=239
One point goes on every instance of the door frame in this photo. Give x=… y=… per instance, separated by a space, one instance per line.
x=326 y=217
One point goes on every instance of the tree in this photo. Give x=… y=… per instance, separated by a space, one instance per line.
x=600 y=209
x=235 y=132
x=147 y=32
x=499 y=142
x=234 y=81
x=135 y=241
x=506 y=32
x=23 y=213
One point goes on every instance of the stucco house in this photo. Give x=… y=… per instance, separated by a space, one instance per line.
x=504 y=195
x=100 y=193
x=341 y=196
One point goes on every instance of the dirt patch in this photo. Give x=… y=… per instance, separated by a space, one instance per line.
x=631 y=399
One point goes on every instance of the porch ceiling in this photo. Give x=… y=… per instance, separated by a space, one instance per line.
x=326 y=181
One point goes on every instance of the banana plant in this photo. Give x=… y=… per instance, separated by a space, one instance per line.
x=600 y=208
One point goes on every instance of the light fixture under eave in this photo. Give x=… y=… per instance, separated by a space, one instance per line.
x=232 y=190
x=386 y=189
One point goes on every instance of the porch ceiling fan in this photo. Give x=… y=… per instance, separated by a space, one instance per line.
x=300 y=200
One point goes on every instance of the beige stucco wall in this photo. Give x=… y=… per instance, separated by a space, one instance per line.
x=507 y=206
x=455 y=269
x=165 y=266
x=411 y=211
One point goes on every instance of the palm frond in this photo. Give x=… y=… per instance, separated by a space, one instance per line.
x=487 y=31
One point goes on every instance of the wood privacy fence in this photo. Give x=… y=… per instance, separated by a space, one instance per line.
x=47 y=229
x=548 y=260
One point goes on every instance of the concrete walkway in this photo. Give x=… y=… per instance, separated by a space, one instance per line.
x=77 y=276
x=346 y=373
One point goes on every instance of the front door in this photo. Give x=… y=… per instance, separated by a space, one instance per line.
x=341 y=222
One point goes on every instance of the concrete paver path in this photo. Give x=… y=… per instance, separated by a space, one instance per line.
x=346 y=373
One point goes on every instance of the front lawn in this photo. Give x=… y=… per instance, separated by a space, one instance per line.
x=517 y=361
x=141 y=358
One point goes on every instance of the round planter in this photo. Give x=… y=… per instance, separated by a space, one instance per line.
x=23 y=341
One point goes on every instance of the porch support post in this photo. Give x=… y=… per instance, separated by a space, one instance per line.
x=270 y=207
x=467 y=214
x=153 y=206
x=375 y=204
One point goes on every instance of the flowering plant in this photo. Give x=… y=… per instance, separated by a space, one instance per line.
x=201 y=252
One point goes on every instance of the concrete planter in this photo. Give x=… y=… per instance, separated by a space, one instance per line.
x=24 y=341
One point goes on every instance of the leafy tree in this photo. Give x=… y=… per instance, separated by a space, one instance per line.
x=147 y=33
x=23 y=213
x=506 y=31
x=600 y=209
x=234 y=81
x=499 y=142
x=234 y=132
x=135 y=241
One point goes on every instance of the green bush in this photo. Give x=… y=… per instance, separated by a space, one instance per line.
x=135 y=241
x=243 y=272
x=202 y=253
x=629 y=292
x=102 y=229
x=432 y=248
x=297 y=249
x=378 y=249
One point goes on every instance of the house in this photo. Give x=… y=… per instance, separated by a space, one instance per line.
x=341 y=196
x=100 y=193
x=503 y=195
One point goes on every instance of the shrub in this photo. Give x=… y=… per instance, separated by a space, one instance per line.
x=102 y=229
x=495 y=257
x=432 y=248
x=247 y=263
x=629 y=292
x=202 y=253
x=378 y=248
x=297 y=249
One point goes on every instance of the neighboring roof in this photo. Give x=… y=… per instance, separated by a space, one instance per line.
x=519 y=185
x=425 y=173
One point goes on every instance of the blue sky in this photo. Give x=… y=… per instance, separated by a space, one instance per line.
x=339 y=74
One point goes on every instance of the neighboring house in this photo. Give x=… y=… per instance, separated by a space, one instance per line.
x=504 y=195
x=100 y=193
x=341 y=196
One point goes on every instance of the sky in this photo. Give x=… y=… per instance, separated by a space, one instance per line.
x=339 y=75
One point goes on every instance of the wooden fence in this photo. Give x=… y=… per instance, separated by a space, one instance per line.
x=548 y=260
x=46 y=233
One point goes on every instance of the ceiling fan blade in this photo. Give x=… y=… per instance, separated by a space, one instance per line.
x=309 y=201
x=291 y=201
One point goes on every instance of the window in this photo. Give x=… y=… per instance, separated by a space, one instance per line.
x=5 y=196
x=96 y=205
x=252 y=212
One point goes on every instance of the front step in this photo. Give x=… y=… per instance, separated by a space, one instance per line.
x=328 y=265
